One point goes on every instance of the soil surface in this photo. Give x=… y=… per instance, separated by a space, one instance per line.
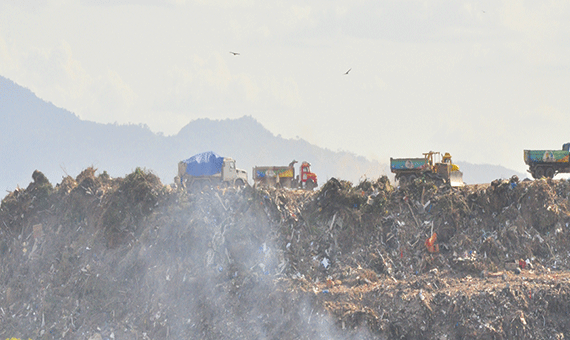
x=129 y=258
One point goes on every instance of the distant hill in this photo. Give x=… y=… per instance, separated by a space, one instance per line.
x=485 y=173
x=35 y=134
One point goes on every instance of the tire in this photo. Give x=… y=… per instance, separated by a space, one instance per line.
x=403 y=180
x=310 y=185
x=239 y=183
x=412 y=178
x=539 y=172
x=549 y=173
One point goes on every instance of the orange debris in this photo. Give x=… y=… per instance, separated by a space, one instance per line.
x=430 y=244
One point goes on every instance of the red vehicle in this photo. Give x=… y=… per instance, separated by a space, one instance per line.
x=284 y=176
x=308 y=178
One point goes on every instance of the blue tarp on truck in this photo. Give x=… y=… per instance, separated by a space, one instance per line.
x=204 y=164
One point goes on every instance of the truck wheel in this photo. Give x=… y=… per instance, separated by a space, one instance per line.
x=310 y=185
x=412 y=178
x=539 y=172
x=549 y=173
x=240 y=183
x=403 y=180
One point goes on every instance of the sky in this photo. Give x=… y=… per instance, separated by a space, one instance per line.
x=482 y=80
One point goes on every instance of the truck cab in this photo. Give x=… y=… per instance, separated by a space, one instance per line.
x=308 y=178
x=231 y=174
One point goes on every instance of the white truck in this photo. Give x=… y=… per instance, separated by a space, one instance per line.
x=210 y=169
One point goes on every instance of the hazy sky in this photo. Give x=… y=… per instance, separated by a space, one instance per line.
x=480 y=79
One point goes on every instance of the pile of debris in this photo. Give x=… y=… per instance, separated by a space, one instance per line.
x=130 y=258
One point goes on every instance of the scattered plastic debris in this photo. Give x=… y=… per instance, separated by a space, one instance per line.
x=89 y=257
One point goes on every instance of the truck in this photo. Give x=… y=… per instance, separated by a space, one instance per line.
x=548 y=163
x=210 y=169
x=432 y=165
x=284 y=176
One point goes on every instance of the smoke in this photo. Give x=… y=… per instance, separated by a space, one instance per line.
x=212 y=266
x=126 y=259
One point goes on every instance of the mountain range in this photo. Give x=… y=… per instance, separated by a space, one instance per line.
x=36 y=134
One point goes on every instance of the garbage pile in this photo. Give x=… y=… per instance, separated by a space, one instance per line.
x=97 y=257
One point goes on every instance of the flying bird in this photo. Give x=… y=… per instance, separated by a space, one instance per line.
x=347 y=71
x=234 y=53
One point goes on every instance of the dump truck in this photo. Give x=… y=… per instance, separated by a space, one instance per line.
x=210 y=169
x=284 y=176
x=548 y=163
x=432 y=165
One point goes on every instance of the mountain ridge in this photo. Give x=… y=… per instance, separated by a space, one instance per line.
x=37 y=135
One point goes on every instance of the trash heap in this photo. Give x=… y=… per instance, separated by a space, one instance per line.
x=97 y=257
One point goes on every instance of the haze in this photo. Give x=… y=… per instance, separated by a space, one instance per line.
x=480 y=79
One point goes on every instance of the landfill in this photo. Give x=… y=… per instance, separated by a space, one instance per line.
x=96 y=257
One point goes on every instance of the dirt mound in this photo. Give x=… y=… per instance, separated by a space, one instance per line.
x=129 y=258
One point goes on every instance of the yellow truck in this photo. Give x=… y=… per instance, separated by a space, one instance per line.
x=284 y=176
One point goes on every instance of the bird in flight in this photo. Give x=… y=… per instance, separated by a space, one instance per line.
x=234 y=53
x=347 y=71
